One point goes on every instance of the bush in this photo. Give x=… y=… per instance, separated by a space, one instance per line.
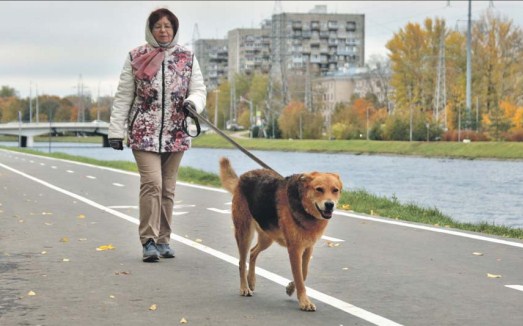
x=452 y=135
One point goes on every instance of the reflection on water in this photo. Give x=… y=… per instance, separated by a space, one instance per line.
x=467 y=190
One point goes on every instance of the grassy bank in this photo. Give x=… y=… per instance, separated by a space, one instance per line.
x=357 y=200
x=473 y=150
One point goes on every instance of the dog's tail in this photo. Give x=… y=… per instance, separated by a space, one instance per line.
x=228 y=177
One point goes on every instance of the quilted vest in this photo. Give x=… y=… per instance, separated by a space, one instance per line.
x=155 y=117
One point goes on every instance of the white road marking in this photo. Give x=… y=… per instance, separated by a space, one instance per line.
x=118 y=184
x=123 y=207
x=515 y=287
x=432 y=229
x=228 y=211
x=69 y=171
x=332 y=239
x=183 y=206
x=221 y=211
x=54 y=167
x=327 y=299
x=90 y=177
x=42 y=164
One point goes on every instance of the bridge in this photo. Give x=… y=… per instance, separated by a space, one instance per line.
x=27 y=131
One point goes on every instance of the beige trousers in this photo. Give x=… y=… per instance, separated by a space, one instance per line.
x=158 y=174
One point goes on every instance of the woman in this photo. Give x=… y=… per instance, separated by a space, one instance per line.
x=158 y=82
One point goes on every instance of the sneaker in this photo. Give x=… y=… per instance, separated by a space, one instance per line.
x=150 y=252
x=165 y=250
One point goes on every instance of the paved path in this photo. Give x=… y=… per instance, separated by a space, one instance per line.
x=54 y=214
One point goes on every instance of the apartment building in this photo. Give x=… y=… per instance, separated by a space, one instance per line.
x=212 y=55
x=249 y=51
x=327 y=42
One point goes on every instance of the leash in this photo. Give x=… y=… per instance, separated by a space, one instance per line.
x=221 y=133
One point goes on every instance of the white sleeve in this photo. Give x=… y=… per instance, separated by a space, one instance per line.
x=197 y=89
x=122 y=102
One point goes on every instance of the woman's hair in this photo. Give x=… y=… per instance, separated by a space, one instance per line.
x=158 y=14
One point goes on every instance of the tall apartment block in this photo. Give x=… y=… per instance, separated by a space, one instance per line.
x=249 y=51
x=212 y=55
x=327 y=42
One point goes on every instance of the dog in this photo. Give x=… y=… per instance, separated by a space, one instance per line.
x=292 y=211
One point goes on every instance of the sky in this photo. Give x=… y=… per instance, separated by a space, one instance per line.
x=56 y=46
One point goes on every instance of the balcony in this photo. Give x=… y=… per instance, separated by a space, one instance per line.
x=350 y=27
x=315 y=26
x=296 y=25
x=332 y=25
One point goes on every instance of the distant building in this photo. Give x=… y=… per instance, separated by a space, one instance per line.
x=249 y=51
x=328 y=42
x=212 y=55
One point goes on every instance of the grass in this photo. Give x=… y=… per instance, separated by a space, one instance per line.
x=358 y=201
x=473 y=150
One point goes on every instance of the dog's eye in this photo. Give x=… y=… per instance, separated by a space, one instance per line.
x=335 y=190
x=320 y=190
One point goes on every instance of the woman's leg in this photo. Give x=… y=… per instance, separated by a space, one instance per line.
x=170 y=165
x=150 y=169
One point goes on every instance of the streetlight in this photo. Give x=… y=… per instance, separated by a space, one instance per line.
x=216 y=91
x=243 y=99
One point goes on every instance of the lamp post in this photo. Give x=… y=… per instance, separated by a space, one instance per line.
x=216 y=91
x=251 y=116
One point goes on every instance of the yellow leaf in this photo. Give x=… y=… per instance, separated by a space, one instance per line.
x=493 y=275
x=81 y=216
x=64 y=239
x=345 y=207
x=183 y=321
x=106 y=247
x=31 y=293
x=153 y=307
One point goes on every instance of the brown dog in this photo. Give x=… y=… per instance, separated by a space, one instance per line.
x=293 y=211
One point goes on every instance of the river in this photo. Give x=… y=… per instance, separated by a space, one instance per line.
x=467 y=190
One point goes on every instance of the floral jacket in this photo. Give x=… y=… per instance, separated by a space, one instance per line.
x=149 y=113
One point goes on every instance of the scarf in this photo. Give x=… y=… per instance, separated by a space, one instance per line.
x=147 y=65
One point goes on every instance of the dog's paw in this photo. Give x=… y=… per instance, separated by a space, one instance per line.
x=290 y=288
x=307 y=305
x=246 y=292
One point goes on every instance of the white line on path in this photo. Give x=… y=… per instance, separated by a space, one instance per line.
x=515 y=287
x=327 y=299
x=90 y=177
x=228 y=211
x=116 y=184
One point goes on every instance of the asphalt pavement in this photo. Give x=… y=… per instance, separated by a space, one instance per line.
x=70 y=255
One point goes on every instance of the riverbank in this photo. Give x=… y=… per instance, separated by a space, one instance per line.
x=472 y=150
x=359 y=201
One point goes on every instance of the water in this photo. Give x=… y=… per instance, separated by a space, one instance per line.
x=467 y=190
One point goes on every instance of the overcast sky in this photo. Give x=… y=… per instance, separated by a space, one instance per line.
x=50 y=44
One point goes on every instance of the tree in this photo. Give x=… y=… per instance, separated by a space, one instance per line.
x=7 y=91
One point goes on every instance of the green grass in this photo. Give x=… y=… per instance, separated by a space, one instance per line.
x=358 y=201
x=473 y=150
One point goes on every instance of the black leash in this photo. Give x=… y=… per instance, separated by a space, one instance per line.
x=221 y=133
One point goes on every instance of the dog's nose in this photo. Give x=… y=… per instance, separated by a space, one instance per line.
x=329 y=206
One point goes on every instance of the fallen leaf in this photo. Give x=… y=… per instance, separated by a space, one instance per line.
x=105 y=247
x=21 y=221
x=48 y=224
x=112 y=296
x=122 y=273
x=477 y=254
x=153 y=307
x=81 y=216
x=183 y=321
x=332 y=244
x=31 y=293
x=65 y=259
x=43 y=252
x=82 y=239
x=345 y=207
x=493 y=275
x=46 y=213
x=64 y=239
x=345 y=268
x=199 y=240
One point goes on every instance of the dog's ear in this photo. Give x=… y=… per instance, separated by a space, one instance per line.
x=305 y=177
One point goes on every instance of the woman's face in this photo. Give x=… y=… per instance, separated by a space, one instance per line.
x=163 y=31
